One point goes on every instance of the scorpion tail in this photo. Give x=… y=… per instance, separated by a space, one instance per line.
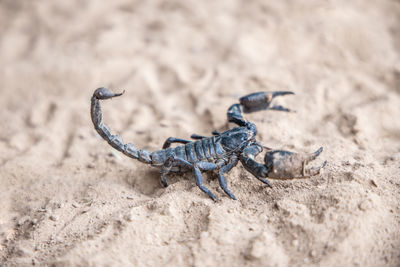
x=104 y=131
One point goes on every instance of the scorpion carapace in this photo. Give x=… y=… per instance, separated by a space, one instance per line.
x=220 y=152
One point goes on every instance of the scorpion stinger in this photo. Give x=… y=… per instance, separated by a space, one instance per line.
x=220 y=152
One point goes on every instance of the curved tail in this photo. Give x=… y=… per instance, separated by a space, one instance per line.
x=104 y=131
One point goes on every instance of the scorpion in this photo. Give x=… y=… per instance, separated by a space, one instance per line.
x=220 y=152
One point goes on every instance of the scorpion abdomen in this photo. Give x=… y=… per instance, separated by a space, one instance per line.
x=206 y=149
x=198 y=146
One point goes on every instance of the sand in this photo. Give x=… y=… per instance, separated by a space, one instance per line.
x=67 y=198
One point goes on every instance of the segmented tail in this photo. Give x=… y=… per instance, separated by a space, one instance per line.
x=104 y=131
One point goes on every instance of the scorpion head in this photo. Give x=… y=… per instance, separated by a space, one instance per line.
x=238 y=138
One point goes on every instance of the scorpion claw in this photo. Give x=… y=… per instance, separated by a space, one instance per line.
x=281 y=93
x=231 y=195
x=315 y=154
x=315 y=170
x=279 y=108
x=164 y=182
x=104 y=93
x=262 y=100
x=283 y=164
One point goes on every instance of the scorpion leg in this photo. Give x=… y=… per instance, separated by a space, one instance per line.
x=171 y=140
x=221 y=178
x=165 y=170
x=199 y=182
x=205 y=166
x=209 y=166
x=202 y=165
x=198 y=137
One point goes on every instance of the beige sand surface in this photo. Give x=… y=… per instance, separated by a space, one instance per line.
x=67 y=198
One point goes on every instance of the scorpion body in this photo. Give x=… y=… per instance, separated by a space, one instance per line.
x=220 y=152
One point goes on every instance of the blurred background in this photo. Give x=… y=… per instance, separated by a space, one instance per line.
x=69 y=199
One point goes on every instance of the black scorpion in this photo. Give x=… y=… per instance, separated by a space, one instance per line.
x=220 y=152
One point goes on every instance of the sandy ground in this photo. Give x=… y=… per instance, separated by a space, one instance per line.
x=67 y=198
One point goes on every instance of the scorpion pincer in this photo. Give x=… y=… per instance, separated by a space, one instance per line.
x=221 y=151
